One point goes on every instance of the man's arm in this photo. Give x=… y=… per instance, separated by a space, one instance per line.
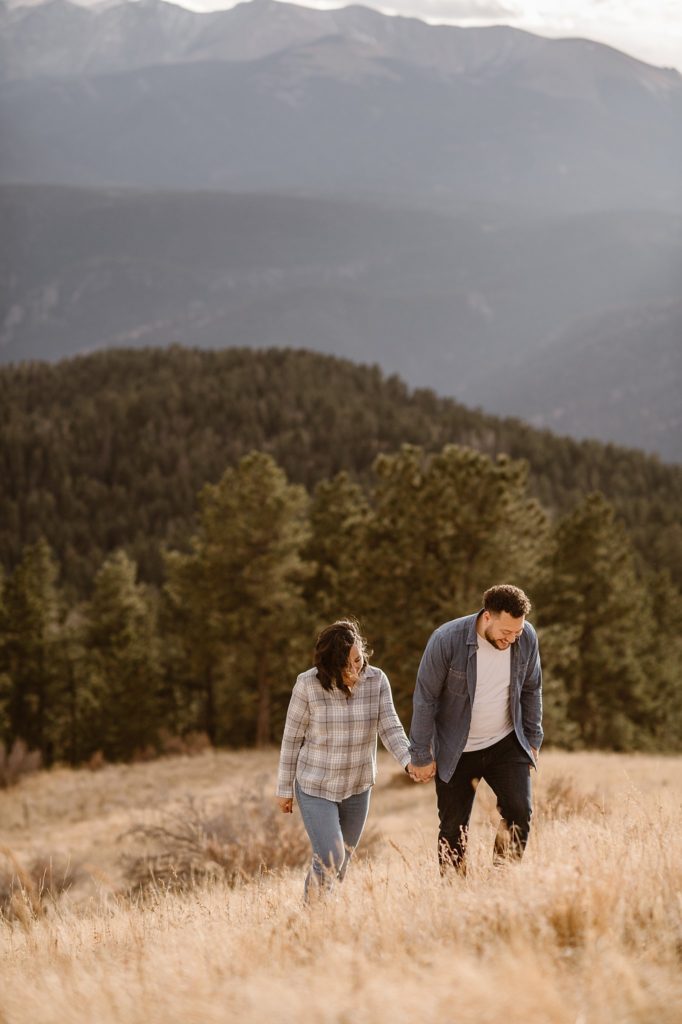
x=531 y=699
x=433 y=671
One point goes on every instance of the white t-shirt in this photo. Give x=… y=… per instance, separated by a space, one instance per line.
x=491 y=714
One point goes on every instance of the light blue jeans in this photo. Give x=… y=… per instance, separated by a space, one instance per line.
x=334 y=829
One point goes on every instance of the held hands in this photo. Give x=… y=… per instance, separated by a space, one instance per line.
x=421 y=774
x=285 y=804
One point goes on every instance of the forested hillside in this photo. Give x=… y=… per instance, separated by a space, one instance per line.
x=176 y=525
x=111 y=449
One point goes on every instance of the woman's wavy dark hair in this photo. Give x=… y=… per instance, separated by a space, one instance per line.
x=332 y=651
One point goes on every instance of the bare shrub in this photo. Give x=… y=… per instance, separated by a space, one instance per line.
x=244 y=839
x=25 y=890
x=142 y=755
x=398 y=780
x=559 y=798
x=17 y=762
x=97 y=762
x=189 y=745
x=170 y=745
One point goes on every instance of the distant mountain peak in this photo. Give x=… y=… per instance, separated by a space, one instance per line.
x=272 y=96
x=449 y=48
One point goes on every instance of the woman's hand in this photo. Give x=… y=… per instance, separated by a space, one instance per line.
x=423 y=774
x=285 y=804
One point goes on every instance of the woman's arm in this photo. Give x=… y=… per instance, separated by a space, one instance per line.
x=295 y=728
x=390 y=727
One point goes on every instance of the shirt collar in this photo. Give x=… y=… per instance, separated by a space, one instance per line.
x=472 y=635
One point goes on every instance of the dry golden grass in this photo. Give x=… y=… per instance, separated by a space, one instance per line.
x=588 y=928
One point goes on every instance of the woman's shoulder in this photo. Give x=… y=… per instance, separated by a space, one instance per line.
x=307 y=677
x=306 y=686
x=374 y=673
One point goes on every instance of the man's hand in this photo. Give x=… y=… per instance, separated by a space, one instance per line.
x=285 y=804
x=422 y=774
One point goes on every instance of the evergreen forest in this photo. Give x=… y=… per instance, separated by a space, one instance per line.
x=176 y=525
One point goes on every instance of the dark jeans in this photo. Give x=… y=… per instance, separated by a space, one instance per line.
x=506 y=768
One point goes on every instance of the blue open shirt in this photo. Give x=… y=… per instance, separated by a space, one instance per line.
x=444 y=694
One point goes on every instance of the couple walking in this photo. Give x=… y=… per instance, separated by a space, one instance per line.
x=477 y=714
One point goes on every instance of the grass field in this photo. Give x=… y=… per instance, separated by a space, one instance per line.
x=587 y=928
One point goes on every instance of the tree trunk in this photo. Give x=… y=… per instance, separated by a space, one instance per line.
x=209 y=705
x=263 y=717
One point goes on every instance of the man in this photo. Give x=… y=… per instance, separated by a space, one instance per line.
x=477 y=715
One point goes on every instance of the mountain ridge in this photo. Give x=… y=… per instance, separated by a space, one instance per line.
x=278 y=26
x=286 y=122
x=439 y=299
x=484 y=174
x=275 y=97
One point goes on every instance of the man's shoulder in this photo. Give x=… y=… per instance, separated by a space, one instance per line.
x=529 y=634
x=456 y=627
x=453 y=636
x=529 y=630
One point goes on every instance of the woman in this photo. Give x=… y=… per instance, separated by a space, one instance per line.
x=328 y=757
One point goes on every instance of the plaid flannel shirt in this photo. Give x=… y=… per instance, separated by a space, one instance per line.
x=330 y=741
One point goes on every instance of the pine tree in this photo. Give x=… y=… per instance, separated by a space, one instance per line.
x=662 y=659
x=29 y=634
x=557 y=654
x=193 y=649
x=243 y=588
x=79 y=713
x=5 y=680
x=121 y=633
x=442 y=529
x=338 y=518
x=599 y=609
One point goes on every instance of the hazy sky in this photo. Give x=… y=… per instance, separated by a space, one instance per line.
x=648 y=29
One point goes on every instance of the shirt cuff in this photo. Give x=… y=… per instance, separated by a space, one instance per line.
x=420 y=758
